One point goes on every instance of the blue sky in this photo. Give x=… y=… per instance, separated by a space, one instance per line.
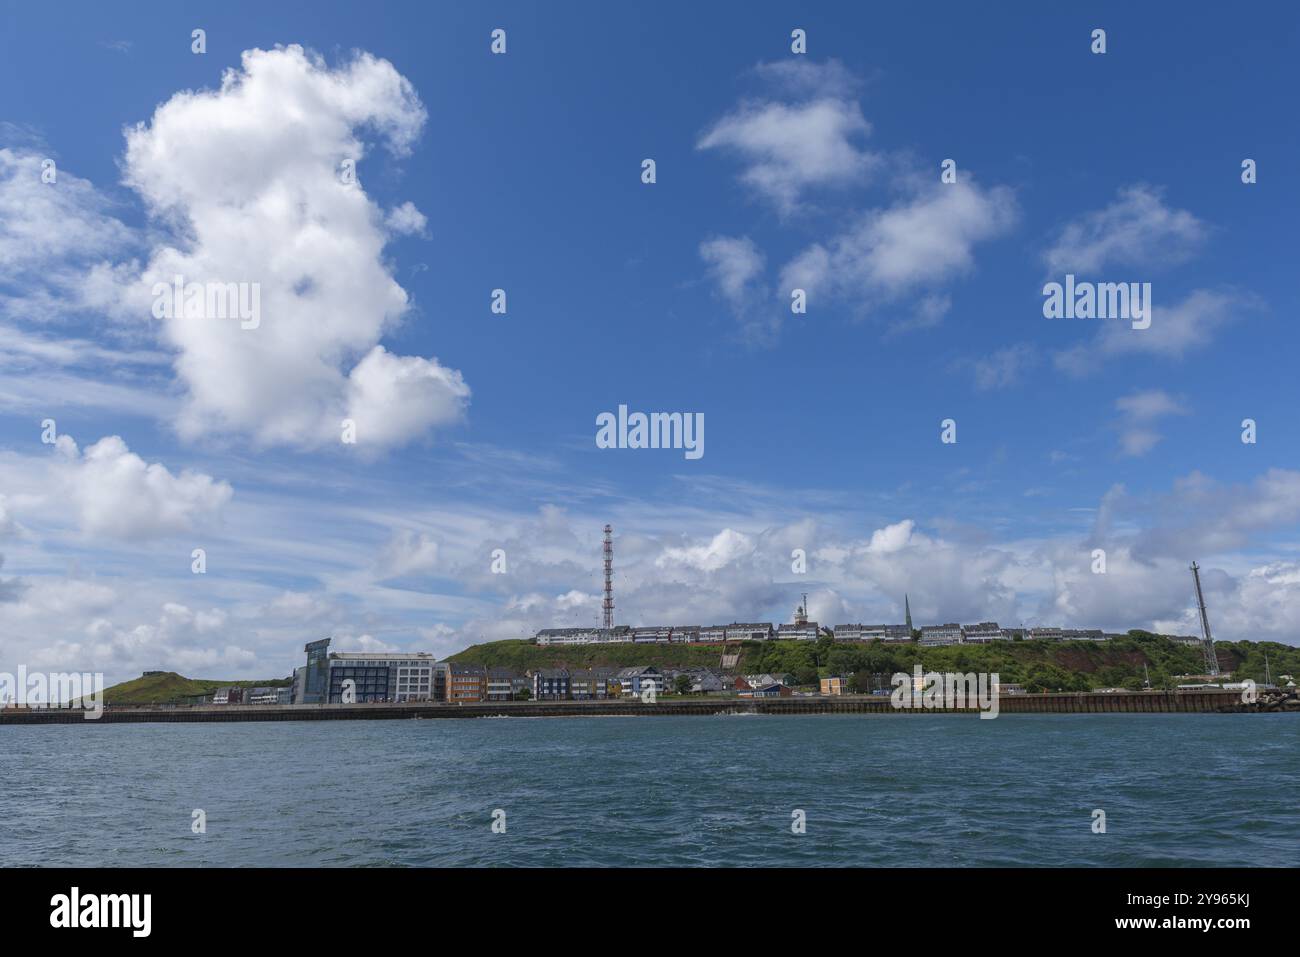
x=925 y=303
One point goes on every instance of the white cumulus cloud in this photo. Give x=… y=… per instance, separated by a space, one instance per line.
x=791 y=145
x=117 y=494
x=923 y=241
x=247 y=177
x=724 y=548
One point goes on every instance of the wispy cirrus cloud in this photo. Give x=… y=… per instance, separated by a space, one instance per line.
x=736 y=266
x=1137 y=229
x=1139 y=413
x=1176 y=330
x=1003 y=367
x=54 y=228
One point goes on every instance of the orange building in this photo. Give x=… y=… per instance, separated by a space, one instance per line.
x=834 y=685
x=465 y=684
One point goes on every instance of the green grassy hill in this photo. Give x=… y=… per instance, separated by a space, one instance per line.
x=170 y=687
x=1040 y=665
x=523 y=655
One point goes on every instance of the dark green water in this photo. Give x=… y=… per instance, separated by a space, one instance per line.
x=932 y=791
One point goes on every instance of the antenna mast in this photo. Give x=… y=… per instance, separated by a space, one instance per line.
x=1211 y=659
x=609 y=578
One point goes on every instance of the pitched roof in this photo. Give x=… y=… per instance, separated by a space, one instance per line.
x=638 y=670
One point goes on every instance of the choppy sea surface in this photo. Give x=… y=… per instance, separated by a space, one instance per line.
x=910 y=791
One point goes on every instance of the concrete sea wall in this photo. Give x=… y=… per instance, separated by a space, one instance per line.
x=1157 y=702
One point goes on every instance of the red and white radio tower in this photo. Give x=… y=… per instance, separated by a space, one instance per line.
x=609 y=578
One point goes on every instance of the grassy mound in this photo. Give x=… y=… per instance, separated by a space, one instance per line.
x=170 y=687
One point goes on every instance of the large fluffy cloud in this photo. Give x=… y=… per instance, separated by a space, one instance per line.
x=251 y=180
x=105 y=495
x=392 y=398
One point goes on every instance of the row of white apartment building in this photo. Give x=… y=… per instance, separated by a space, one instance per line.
x=801 y=629
x=664 y=634
x=872 y=633
x=987 y=631
x=951 y=633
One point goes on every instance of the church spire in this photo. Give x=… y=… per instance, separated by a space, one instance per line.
x=907 y=607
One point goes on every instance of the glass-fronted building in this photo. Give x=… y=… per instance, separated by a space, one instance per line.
x=385 y=676
x=311 y=682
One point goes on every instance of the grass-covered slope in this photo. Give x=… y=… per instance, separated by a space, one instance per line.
x=171 y=687
x=523 y=655
x=1040 y=665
